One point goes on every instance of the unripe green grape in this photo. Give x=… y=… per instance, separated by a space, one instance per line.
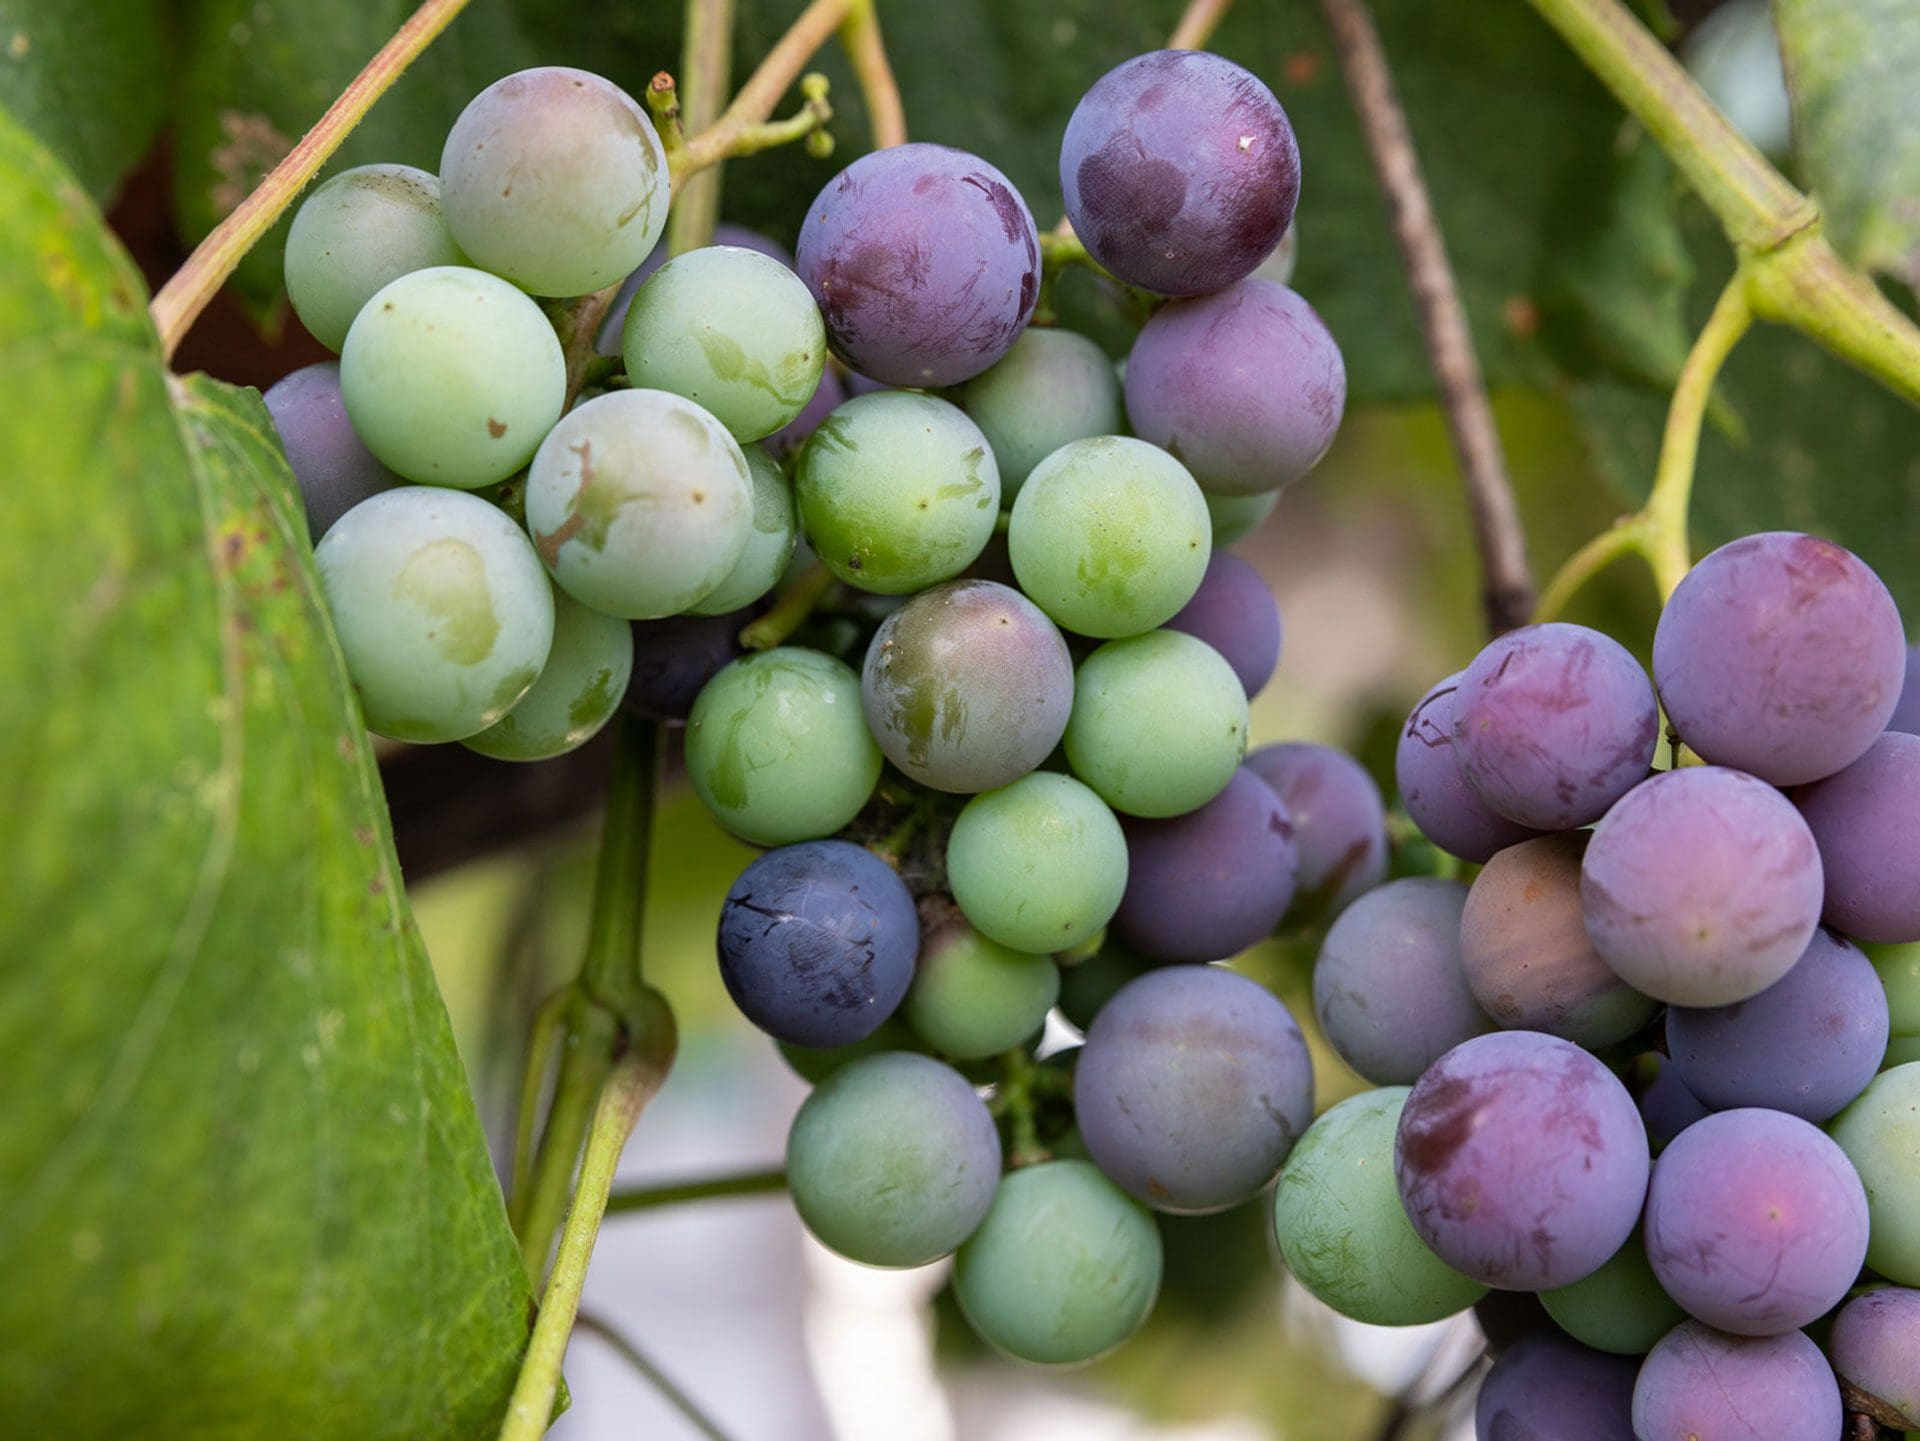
x=1341 y=1227
x=452 y=377
x=973 y=997
x=640 y=503
x=1065 y=1267
x=555 y=179
x=1159 y=723
x=813 y=1064
x=732 y=329
x=1881 y=1136
x=1620 y=1308
x=1110 y=536
x=578 y=691
x=1235 y=517
x=777 y=747
x=897 y=491
x=363 y=228
x=770 y=539
x=1039 y=865
x=893 y=1160
x=443 y=613
x=1052 y=387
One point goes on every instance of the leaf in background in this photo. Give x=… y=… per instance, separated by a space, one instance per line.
x=90 y=80
x=256 y=76
x=1853 y=68
x=243 y=1190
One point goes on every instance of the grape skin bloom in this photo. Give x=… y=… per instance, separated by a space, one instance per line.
x=332 y=465
x=1699 y=1382
x=1054 y=386
x=1434 y=790
x=579 y=689
x=1039 y=865
x=1875 y=1346
x=1866 y=821
x=1339 y=821
x=1234 y=612
x=1548 y=1387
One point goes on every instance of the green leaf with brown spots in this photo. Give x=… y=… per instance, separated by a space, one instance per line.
x=245 y=1190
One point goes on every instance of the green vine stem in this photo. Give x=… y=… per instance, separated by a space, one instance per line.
x=746 y=1183
x=214 y=259
x=755 y=100
x=795 y=604
x=1015 y=1098
x=706 y=57
x=860 y=37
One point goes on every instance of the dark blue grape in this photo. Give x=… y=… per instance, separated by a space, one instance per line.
x=675 y=657
x=1548 y=1388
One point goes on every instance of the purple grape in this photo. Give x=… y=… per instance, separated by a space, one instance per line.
x=1246 y=387
x=1339 y=821
x=1192 y=1087
x=1426 y=770
x=1866 y=821
x=1234 y=612
x=925 y=262
x=1208 y=884
x=1526 y=954
x=1906 y=715
x=1180 y=171
x=335 y=469
x=1698 y=1384
x=1806 y=1045
x=1668 y=1107
x=1521 y=1160
x=1781 y=655
x=818 y=942
x=675 y=657
x=1875 y=1346
x=1756 y=1222
x=1701 y=887
x=1553 y=724
x=1388 y=988
x=1506 y=1318
x=1549 y=1388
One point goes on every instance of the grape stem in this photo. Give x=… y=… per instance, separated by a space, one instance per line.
x=215 y=258
x=860 y=36
x=745 y=1183
x=1793 y=275
x=1197 y=24
x=1507 y=580
x=1014 y=1098
x=794 y=605
x=706 y=57
x=627 y=1351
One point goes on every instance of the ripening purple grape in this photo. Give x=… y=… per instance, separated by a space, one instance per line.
x=1806 y=1045
x=1906 y=715
x=333 y=466
x=1866 y=821
x=1548 y=1386
x=1180 y=171
x=675 y=657
x=1668 y=1107
x=925 y=262
x=1780 y=654
x=1526 y=953
x=1699 y=1383
x=1553 y=724
x=1206 y=885
x=1875 y=1346
x=1235 y=613
x=1701 y=887
x=1426 y=770
x=1387 y=987
x=1521 y=1160
x=1756 y=1222
x=1192 y=1087
x=1246 y=387
x=1339 y=821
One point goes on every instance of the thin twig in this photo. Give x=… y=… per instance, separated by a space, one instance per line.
x=794 y=605
x=775 y=76
x=627 y=1351
x=747 y=1183
x=1497 y=530
x=214 y=259
x=860 y=35
x=1197 y=24
x=705 y=60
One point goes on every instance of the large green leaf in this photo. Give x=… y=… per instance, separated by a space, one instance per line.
x=243 y=1190
x=1853 y=67
x=90 y=79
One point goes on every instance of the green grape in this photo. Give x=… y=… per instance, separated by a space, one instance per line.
x=1235 y=517
x=972 y=997
x=640 y=503
x=777 y=747
x=897 y=491
x=770 y=540
x=443 y=614
x=578 y=691
x=893 y=1160
x=1052 y=387
x=363 y=228
x=555 y=179
x=813 y=1064
x=1065 y=1267
x=1110 y=536
x=733 y=329
x=1619 y=1308
x=452 y=377
x=1039 y=865
x=1899 y=968
x=1880 y=1132
x=1900 y=1051
x=1342 y=1229
x=1159 y=723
